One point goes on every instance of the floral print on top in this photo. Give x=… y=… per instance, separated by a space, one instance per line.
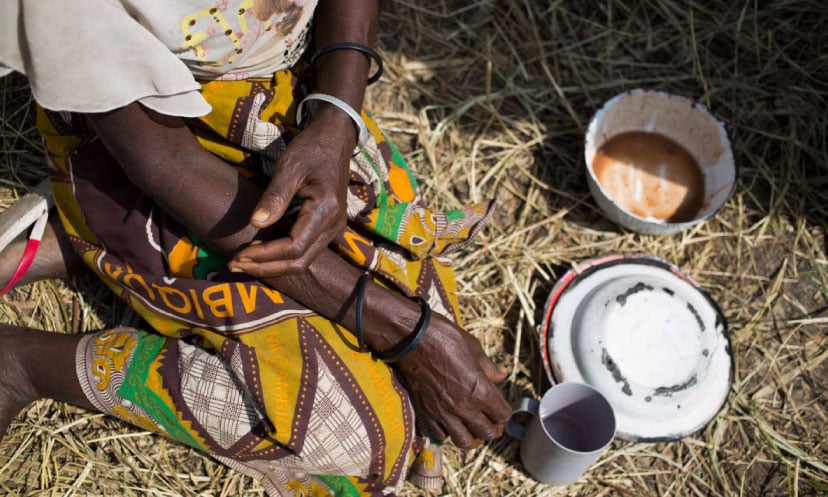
x=229 y=39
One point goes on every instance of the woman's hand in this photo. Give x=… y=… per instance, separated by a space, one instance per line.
x=314 y=168
x=451 y=382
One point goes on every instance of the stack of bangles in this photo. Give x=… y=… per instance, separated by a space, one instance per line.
x=352 y=113
x=402 y=349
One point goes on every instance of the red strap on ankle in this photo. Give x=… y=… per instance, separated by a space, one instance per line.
x=29 y=252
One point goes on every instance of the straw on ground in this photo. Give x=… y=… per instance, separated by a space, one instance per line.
x=491 y=98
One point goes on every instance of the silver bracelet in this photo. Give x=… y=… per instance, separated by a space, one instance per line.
x=354 y=115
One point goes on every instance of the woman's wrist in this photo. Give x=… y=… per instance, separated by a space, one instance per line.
x=335 y=123
x=369 y=52
x=343 y=74
x=329 y=287
x=391 y=321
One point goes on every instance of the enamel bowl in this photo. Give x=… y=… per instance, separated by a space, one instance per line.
x=688 y=124
x=646 y=336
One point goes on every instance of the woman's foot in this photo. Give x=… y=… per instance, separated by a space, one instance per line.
x=16 y=389
x=36 y=364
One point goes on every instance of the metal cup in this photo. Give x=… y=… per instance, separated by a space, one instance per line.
x=570 y=427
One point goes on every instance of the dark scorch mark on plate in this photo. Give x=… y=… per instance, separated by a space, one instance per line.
x=639 y=287
x=669 y=391
x=697 y=316
x=612 y=367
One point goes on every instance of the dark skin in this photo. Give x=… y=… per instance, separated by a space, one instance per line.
x=451 y=381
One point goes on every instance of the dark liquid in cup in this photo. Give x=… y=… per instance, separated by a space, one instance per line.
x=651 y=176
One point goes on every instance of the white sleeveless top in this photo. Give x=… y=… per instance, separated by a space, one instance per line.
x=98 y=55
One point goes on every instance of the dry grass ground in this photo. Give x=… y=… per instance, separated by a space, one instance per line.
x=492 y=97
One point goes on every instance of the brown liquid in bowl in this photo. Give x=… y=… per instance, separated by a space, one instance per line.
x=651 y=176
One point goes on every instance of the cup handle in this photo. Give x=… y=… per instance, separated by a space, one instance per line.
x=513 y=428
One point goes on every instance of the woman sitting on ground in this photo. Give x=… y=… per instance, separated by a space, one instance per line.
x=299 y=318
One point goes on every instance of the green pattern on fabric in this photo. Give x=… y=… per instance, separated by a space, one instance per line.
x=342 y=486
x=454 y=215
x=389 y=219
x=134 y=388
x=208 y=261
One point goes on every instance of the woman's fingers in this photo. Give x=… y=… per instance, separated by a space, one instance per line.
x=309 y=235
x=467 y=430
x=436 y=430
x=494 y=405
x=271 y=206
x=490 y=413
x=275 y=258
x=460 y=434
x=492 y=371
x=481 y=427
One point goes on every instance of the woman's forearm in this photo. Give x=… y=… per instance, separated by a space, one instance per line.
x=343 y=73
x=162 y=157
x=213 y=201
x=328 y=287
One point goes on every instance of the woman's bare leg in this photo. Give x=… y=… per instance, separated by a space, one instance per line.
x=55 y=257
x=34 y=365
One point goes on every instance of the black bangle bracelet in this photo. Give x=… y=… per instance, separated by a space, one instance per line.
x=417 y=336
x=360 y=298
x=366 y=50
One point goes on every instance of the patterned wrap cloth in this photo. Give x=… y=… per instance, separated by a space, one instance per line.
x=228 y=365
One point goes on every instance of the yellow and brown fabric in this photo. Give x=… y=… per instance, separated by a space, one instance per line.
x=226 y=364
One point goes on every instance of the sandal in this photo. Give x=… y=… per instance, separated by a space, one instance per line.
x=32 y=208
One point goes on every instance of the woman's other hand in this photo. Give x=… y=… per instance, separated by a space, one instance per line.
x=452 y=384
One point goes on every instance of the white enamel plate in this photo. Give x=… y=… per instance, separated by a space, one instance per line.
x=646 y=336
